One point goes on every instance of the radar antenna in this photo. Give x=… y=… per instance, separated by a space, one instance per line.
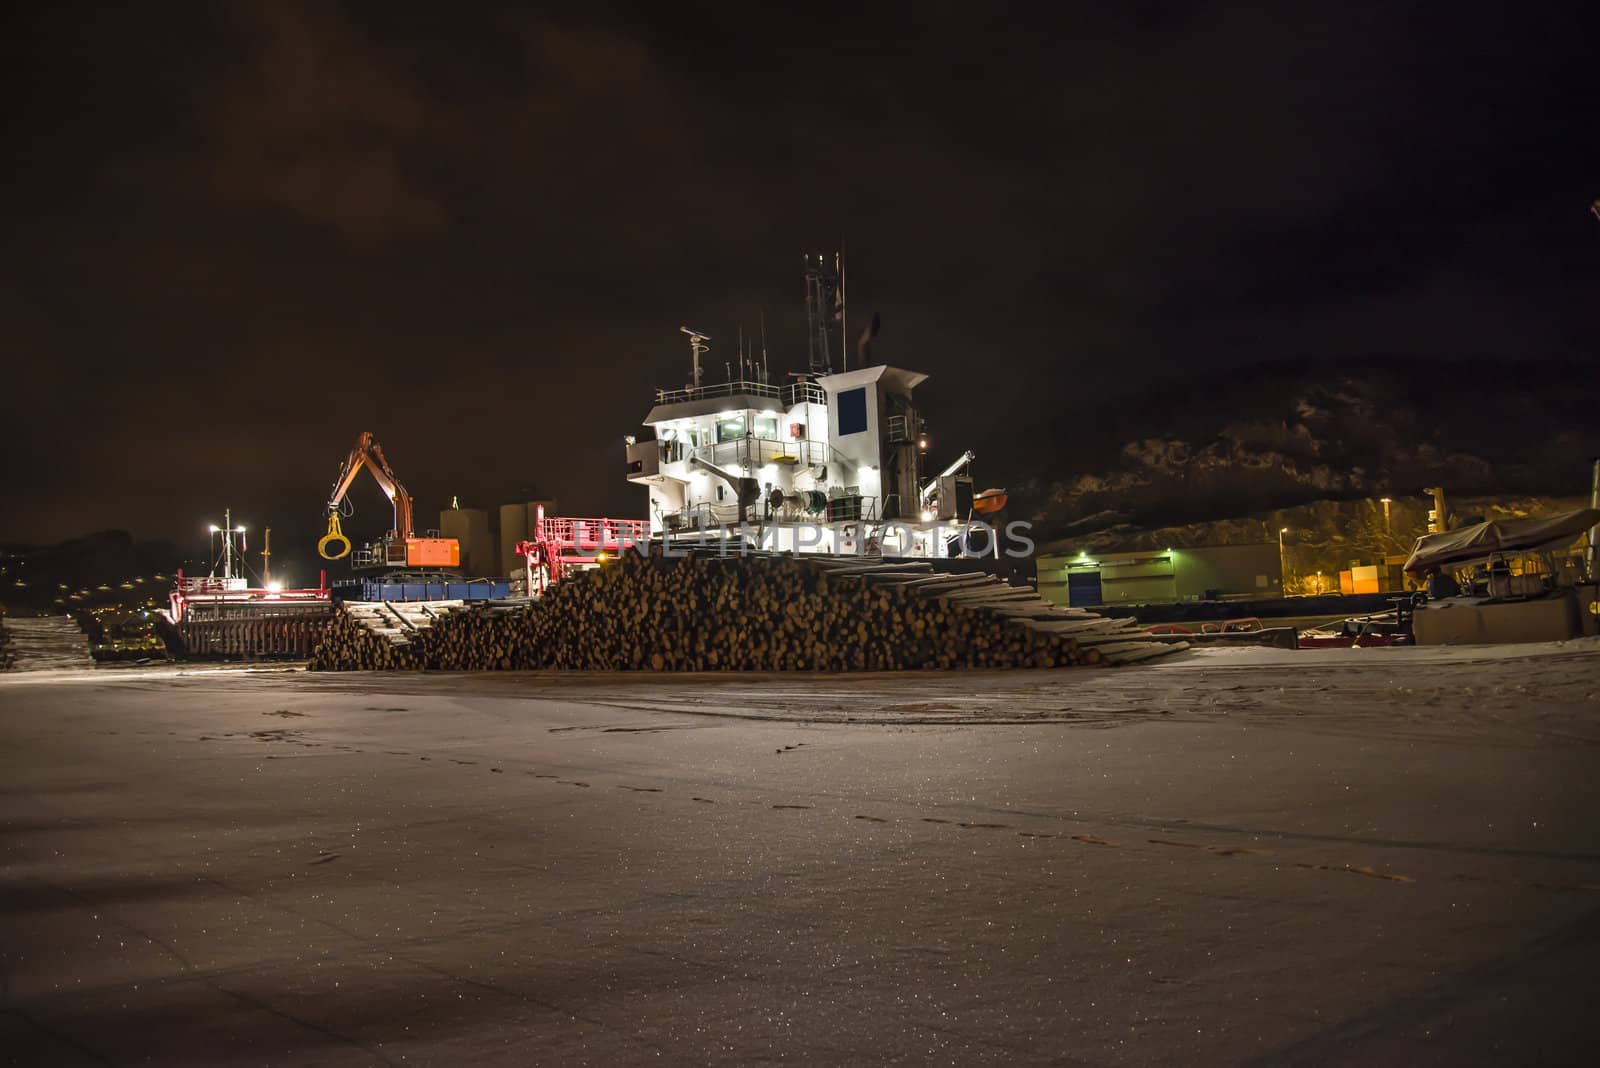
x=697 y=346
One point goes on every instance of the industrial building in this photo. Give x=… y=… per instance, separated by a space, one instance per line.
x=516 y=523
x=489 y=537
x=1162 y=576
x=470 y=527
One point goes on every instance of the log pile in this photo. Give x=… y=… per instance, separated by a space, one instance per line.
x=740 y=614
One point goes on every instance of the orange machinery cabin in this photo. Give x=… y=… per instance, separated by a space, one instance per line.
x=423 y=552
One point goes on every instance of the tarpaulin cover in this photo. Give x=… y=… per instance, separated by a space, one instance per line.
x=1479 y=542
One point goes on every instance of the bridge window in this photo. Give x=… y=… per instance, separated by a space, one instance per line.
x=853 y=411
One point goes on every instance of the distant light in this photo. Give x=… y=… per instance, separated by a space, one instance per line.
x=927 y=515
x=1283 y=530
x=214 y=528
x=239 y=529
x=274 y=587
x=1386 y=500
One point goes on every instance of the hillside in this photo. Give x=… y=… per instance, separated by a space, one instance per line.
x=1292 y=439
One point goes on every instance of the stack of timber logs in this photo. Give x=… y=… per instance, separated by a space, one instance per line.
x=708 y=613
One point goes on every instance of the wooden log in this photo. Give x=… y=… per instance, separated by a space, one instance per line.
x=1134 y=652
x=726 y=614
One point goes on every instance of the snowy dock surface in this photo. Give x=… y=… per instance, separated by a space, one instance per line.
x=1354 y=856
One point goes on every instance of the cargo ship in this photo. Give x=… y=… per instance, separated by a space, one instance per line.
x=220 y=615
x=828 y=461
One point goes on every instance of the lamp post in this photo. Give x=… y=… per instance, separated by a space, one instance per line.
x=1283 y=569
x=1386 y=501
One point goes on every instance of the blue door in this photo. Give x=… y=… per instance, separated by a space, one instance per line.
x=1083 y=588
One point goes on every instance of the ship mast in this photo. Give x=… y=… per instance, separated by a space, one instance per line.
x=227 y=530
x=824 y=305
x=697 y=348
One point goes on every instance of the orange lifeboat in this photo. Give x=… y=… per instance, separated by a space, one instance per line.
x=989 y=501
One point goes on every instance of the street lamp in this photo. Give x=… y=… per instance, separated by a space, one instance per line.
x=1283 y=569
x=1386 y=501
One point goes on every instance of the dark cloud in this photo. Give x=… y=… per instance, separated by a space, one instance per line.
x=239 y=234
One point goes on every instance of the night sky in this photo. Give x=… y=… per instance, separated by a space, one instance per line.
x=238 y=234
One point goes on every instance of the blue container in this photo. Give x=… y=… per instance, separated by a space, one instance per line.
x=443 y=590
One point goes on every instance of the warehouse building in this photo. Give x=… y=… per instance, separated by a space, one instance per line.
x=1162 y=576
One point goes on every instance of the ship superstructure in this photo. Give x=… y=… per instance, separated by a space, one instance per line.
x=825 y=462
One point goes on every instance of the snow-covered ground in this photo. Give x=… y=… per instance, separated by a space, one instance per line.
x=1369 y=856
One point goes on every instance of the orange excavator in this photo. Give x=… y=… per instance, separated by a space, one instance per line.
x=400 y=547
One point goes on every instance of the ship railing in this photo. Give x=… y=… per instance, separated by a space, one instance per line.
x=849 y=509
x=199 y=585
x=701 y=517
x=758 y=452
x=790 y=395
x=804 y=393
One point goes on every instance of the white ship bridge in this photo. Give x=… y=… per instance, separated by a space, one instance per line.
x=827 y=463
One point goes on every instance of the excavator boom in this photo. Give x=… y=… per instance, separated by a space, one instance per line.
x=402 y=547
x=368 y=453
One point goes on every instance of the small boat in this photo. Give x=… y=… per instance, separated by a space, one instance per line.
x=989 y=501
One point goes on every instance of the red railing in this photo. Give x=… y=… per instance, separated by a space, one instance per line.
x=210 y=590
x=589 y=536
x=560 y=542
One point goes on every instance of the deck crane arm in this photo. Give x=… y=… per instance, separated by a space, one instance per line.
x=368 y=454
x=933 y=483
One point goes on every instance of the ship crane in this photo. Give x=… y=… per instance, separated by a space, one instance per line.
x=401 y=545
x=746 y=489
x=988 y=502
x=933 y=484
